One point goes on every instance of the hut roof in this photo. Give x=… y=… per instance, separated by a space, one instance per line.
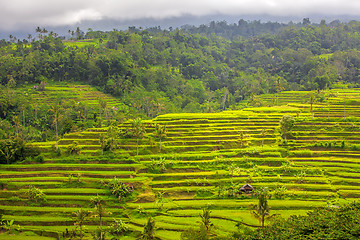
x=246 y=187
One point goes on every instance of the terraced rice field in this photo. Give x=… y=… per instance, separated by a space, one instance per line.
x=206 y=159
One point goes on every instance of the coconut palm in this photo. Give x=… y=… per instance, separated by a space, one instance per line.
x=160 y=133
x=263 y=134
x=80 y=218
x=262 y=209
x=99 y=211
x=138 y=130
x=286 y=124
x=57 y=116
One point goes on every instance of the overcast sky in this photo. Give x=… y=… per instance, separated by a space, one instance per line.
x=20 y=14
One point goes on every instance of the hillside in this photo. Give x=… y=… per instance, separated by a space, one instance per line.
x=205 y=158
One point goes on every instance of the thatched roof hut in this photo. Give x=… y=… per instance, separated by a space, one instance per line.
x=246 y=188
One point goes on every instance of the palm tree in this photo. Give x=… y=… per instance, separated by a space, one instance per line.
x=312 y=100
x=205 y=219
x=149 y=230
x=99 y=205
x=29 y=37
x=262 y=209
x=263 y=134
x=138 y=130
x=39 y=30
x=8 y=152
x=81 y=216
x=286 y=124
x=160 y=133
x=57 y=116
x=242 y=138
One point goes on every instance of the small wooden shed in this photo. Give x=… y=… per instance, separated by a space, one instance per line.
x=246 y=188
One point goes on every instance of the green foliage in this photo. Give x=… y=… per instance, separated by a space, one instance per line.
x=204 y=231
x=326 y=223
x=355 y=147
x=81 y=216
x=262 y=209
x=195 y=234
x=9 y=226
x=160 y=200
x=149 y=230
x=287 y=122
x=159 y=166
x=13 y=150
x=73 y=148
x=118 y=228
x=205 y=220
x=119 y=189
x=99 y=211
x=160 y=133
x=279 y=192
x=138 y=131
x=35 y=194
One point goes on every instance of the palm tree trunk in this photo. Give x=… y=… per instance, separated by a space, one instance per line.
x=100 y=228
x=137 y=147
x=160 y=146
x=81 y=235
x=57 y=135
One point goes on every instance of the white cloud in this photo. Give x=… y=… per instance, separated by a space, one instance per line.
x=18 y=13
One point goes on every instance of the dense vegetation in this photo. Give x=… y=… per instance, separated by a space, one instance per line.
x=157 y=71
x=324 y=223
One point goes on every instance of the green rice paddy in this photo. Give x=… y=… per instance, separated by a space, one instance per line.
x=208 y=162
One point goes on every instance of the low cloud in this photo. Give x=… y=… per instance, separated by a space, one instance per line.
x=17 y=14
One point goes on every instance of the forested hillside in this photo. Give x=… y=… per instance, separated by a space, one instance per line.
x=193 y=69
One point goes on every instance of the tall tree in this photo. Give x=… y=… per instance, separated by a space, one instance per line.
x=80 y=217
x=160 y=133
x=56 y=118
x=312 y=100
x=263 y=134
x=99 y=211
x=138 y=130
x=262 y=209
x=287 y=122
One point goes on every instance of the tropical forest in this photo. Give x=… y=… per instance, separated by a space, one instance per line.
x=246 y=130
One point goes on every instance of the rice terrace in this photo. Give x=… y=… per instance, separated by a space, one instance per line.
x=151 y=134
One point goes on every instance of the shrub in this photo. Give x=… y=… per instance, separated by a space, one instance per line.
x=119 y=189
x=35 y=194
x=118 y=228
x=159 y=166
x=355 y=147
x=203 y=192
x=13 y=150
x=73 y=148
